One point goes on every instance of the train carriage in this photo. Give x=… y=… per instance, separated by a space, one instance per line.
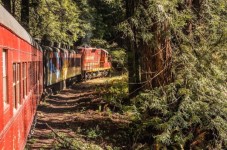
x=21 y=82
x=61 y=66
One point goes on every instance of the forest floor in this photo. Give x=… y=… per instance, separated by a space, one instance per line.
x=78 y=118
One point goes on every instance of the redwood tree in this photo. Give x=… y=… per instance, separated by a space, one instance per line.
x=149 y=46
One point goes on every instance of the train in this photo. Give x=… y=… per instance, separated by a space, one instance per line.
x=29 y=70
x=63 y=65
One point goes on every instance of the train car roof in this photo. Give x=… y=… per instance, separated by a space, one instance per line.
x=7 y=20
x=91 y=48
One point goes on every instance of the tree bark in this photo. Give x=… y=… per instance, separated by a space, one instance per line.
x=156 y=58
x=25 y=14
x=149 y=63
x=7 y=5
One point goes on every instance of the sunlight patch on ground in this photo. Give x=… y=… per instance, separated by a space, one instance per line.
x=105 y=80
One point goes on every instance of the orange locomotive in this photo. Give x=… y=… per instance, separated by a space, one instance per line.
x=95 y=62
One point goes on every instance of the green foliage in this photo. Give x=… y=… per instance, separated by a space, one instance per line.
x=178 y=114
x=191 y=111
x=116 y=91
x=57 y=18
x=62 y=141
x=138 y=27
x=93 y=133
x=119 y=58
x=101 y=43
x=107 y=14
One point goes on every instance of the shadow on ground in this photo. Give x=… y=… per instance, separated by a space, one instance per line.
x=79 y=112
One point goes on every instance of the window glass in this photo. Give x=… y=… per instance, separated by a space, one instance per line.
x=24 y=78
x=4 y=71
x=14 y=86
x=18 y=84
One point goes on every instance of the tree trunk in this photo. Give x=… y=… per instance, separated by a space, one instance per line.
x=149 y=63
x=133 y=53
x=25 y=14
x=156 y=55
x=156 y=58
x=7 y=5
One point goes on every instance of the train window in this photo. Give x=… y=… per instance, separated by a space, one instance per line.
x=40 y=70
x=30 y=75
x=23 y=94
x=5 y=85
x=16 y=85
x=28 y=84
x=34 y=73
x=37 y=72
x=24 y=79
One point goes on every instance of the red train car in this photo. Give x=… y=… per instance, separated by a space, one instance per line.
x=21 y=82
x=95 y=62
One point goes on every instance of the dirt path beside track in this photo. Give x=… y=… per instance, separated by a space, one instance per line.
x=76 y=118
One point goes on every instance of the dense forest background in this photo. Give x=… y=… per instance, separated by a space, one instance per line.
x=175 y=53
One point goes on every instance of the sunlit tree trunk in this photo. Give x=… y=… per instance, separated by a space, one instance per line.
x=149 y=62
x=156 y=55
x=25 y=14
x=7 y=5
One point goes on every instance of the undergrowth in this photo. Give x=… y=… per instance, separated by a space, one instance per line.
x=189 y=113
x=115 y=91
